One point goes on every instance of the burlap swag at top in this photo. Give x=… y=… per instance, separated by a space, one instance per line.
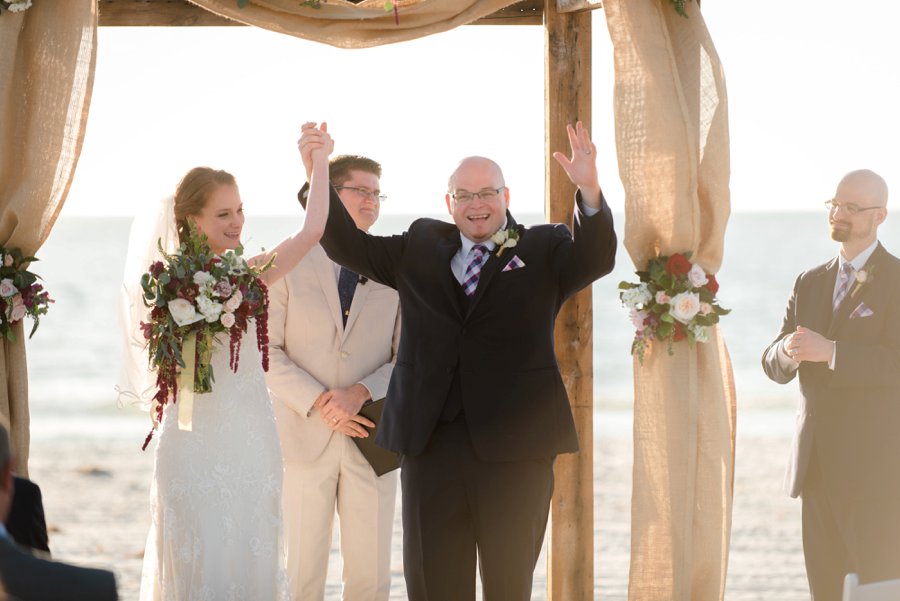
x=350 y=25
x=47 y=56
x=672 y=142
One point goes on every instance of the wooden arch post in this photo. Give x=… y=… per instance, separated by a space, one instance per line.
x=567 y=99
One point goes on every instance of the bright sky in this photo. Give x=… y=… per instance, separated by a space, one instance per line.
x=813 y=92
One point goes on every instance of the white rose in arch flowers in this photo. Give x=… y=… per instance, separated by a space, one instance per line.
x=7 y=288
x=697 y=276
x=685 y=306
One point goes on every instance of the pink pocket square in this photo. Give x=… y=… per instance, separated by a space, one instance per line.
x=861 y=310
x=515 y=263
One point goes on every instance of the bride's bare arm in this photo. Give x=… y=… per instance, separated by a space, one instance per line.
x=293 y=248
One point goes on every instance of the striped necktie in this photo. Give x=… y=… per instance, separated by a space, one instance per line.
x=473 y=269
x=843 y=286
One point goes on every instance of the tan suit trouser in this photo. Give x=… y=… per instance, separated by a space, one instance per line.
x=339 y=479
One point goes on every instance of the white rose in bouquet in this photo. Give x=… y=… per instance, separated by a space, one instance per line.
x=209 y=308
x=234 y=302
x=183 y=312
x=685 y=306
x=203 y=278
x=227 y=319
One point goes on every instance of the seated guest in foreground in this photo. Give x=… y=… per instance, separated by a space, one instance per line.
x=25 y=522
x=29 y=578
x=476 y=405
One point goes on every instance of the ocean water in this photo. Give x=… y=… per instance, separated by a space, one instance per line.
x=74 y=358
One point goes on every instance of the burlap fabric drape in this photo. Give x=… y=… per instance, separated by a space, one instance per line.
x=348 y=25
x=47 y=56
x=672 y=141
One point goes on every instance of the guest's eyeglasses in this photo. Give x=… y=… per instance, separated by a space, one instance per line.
x=487 y=195
x=365 y=193
x=849 y=208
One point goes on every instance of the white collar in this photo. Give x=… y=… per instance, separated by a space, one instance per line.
x=860 y=260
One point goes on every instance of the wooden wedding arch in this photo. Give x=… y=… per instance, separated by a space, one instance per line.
x=567 y=98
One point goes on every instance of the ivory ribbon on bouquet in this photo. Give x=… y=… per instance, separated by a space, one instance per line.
x=47 y=58
x=672 y=143
x=185 y=398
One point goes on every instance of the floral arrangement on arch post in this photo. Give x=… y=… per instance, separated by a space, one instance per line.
x=674 y=300
x=21 y=295
x=193 y=295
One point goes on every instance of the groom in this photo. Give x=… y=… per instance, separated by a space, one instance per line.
x=841 y=334
x=476 y=404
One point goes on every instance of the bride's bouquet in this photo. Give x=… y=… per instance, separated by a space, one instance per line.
x=193 y=295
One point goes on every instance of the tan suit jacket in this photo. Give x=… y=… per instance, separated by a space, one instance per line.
x=310 y=350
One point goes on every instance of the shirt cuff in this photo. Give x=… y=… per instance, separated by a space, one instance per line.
x=833 y=355
x=588 y=210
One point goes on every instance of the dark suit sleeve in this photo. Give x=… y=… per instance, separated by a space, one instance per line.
x=770 y=361
x=376 y=257
x=590 y=253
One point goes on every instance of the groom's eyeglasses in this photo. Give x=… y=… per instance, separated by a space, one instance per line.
x=487 y=195
x=849 y=208
x=377 y=196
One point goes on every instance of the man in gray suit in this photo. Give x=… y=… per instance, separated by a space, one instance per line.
x=841 y=334
x=29 y=578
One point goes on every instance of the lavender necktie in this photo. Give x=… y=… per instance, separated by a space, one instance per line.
x=473 y=270
x=844 y=286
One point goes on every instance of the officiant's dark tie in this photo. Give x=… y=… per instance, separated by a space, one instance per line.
x=473 y=270
x=346 y=287
x=843 y=285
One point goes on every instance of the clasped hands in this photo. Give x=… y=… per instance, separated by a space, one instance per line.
x=807 y=345
x=339 y=409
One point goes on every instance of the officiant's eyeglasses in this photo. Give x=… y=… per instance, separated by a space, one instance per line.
x=487 y=195
x=849 y=208
x=364 y=193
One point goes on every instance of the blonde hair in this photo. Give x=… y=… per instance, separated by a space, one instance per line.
x=193 y=191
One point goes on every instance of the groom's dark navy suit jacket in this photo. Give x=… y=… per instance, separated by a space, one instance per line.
x=496 y=346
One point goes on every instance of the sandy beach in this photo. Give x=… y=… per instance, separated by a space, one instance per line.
x=96 y=485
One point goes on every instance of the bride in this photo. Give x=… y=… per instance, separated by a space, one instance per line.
x=215 y=497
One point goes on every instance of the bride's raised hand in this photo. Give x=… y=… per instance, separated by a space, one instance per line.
x=322 y=145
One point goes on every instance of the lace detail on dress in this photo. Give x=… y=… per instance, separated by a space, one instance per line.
x=215 y=500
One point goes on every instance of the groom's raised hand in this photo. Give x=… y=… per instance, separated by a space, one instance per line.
x=582 y=167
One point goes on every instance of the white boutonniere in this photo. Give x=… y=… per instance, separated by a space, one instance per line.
x=863 y=277
x=504 y=239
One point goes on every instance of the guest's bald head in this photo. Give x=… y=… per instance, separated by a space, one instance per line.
x=867 y=188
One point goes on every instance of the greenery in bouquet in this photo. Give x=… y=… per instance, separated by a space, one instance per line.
x=21 y=295
x=197 y=293
x=674 y=300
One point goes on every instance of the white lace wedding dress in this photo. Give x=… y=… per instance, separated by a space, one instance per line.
x=215 y=498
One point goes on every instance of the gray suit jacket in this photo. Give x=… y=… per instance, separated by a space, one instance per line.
x=850 y=417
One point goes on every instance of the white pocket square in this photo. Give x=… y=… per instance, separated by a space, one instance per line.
x=514 y=263
x=861 y=310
